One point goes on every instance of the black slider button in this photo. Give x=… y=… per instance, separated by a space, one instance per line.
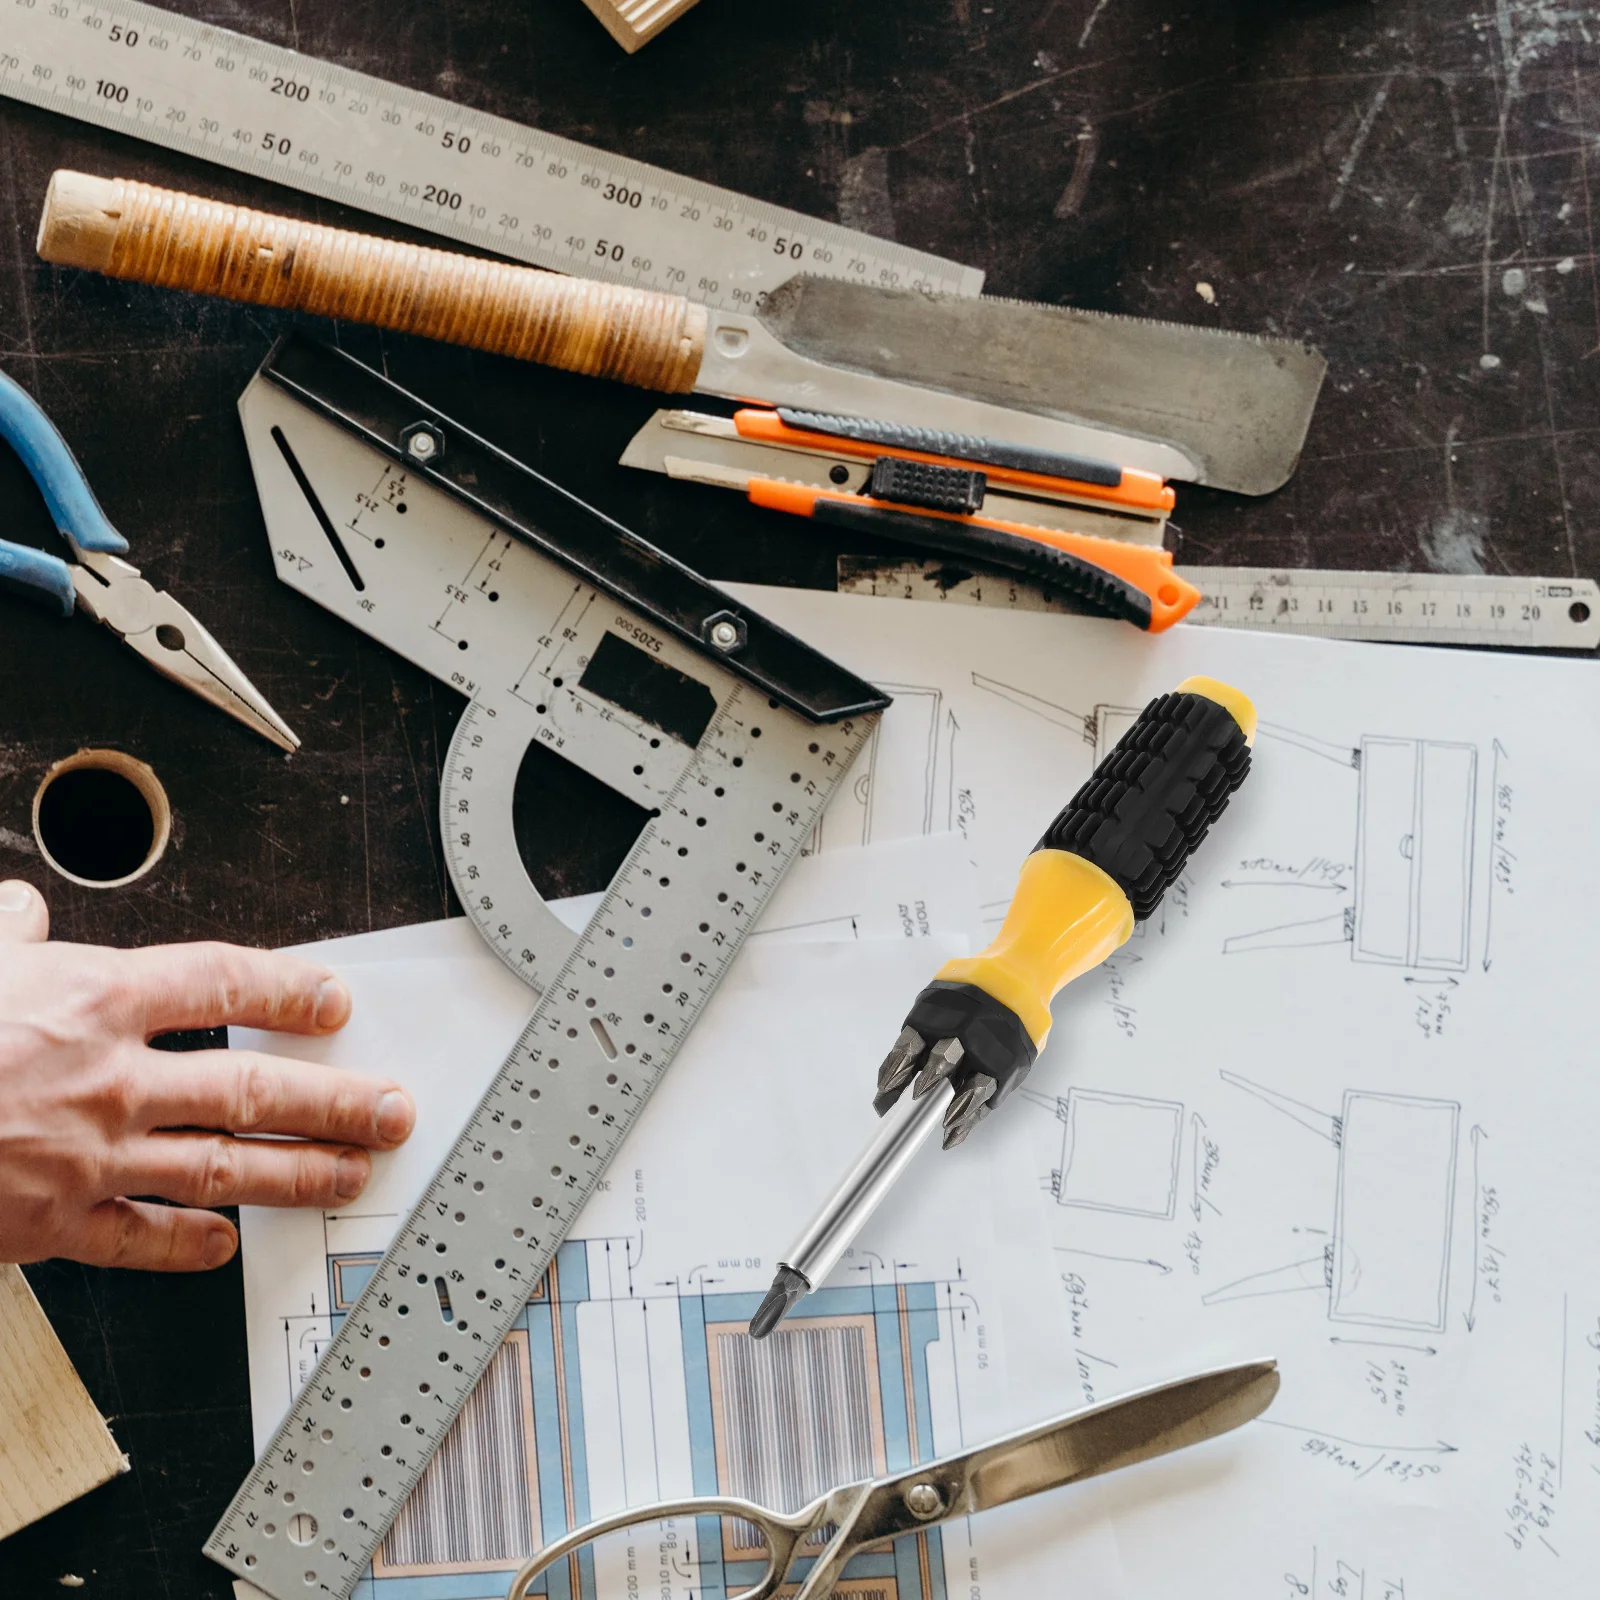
x=927 y=486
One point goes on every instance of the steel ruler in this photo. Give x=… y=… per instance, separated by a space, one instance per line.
x=415 y=158
x=563 y=630
x=1392 y=607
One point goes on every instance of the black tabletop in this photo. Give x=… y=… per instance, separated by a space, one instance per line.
x=1403 y=183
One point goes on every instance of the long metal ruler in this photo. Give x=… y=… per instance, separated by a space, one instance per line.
x=567 y=632
x=1391 y=607
x=484 y=180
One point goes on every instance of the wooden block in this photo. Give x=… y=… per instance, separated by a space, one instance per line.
x=54 y=1445
x=636 y=22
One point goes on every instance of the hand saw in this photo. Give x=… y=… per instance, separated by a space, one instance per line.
x=1196 y=404
x=566 y=632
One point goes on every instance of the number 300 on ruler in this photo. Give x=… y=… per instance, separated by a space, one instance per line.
x=415 y=158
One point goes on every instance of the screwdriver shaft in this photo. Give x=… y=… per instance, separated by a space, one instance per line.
x=828 y=1234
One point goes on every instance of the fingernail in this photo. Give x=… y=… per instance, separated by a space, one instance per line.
x=219 y=1246
x=333 y=1004
x=396 y=1114
x=16 y=897
x=351 y=1177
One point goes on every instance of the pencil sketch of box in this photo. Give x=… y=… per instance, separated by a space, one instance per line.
x=1414 y=853
x=1387 y=1264
x=1120 y=1153
x=1392 y=1219
x=894 y=789
x=1416 y=811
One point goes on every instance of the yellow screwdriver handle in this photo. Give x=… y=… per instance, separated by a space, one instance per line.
x=1108 y=858
x=1066 y=917
x=1102 y=865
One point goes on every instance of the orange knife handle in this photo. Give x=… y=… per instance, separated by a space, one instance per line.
x=1143 y=588
x=1146 y=593
x=1038 y=471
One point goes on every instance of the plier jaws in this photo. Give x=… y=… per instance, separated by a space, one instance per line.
x=173 y=641
x=109 y=588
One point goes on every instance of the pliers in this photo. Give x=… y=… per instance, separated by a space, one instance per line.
x=99 y=581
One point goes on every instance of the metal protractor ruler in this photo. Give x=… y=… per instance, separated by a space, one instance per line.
x=563 y=630
x=415 y=158
x=1391 y=607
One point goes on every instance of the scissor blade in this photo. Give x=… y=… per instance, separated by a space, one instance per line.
x=1136 y=1427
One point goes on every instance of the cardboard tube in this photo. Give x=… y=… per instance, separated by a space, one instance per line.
x=143 y=779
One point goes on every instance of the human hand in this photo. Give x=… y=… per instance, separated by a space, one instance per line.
x=90 y=1114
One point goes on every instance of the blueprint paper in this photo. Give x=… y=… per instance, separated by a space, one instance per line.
x=1335 y=1103
x=909 y=887
x=631 y=1378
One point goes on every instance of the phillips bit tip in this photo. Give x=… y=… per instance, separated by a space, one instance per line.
x=943 y=1059
x=898 y=1067
x=968 y=1109
x=788 y=1287
x=955 y=1135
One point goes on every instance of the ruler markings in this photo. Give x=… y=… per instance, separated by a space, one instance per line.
x=1386 y=607
x=364 y=1425
x=614 y=1003
x=413 y=157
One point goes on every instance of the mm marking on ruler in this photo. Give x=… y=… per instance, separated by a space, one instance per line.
x=566 y=632
x=418 y=159
x=1388 y=607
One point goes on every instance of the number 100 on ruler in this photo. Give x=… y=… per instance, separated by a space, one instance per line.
x=415 y=158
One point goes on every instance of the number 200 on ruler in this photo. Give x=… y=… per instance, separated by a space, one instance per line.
x=415 y=158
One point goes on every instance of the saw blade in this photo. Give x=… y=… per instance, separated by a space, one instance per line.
x=1233 y=408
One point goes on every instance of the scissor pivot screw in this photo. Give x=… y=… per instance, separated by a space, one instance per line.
x=423 y=442
x=923 y=1500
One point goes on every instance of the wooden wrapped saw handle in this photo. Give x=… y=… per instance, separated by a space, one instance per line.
x=180 y=241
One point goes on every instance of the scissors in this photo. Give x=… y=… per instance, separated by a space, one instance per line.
x=1082 y=1444
x=99 y=581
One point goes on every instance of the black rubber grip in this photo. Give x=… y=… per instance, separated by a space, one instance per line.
x=991 y=1033
x=959 y=446
x=923 y=484
x=1152 y=799
x=1101 y=591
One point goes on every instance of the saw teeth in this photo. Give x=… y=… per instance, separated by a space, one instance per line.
x=943 y=1059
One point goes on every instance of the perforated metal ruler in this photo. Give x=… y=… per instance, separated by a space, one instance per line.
x=563 y=630
x=1394 y=607
x=484 y=180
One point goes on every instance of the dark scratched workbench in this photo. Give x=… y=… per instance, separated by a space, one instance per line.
x=1403 y=183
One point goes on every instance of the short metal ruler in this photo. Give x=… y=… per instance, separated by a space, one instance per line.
x=415 y=158
x=565 y=630
x=1391 y=607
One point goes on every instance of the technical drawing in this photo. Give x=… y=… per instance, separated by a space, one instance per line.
x=1100 y=729
x=1120 y=1153
x=894 y=791
x=1387 y=1264
x=1414 y=853
x=1416 y=816
x=840 y=1392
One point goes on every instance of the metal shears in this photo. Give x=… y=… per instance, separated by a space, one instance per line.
x=99 y=581
x=1082 y=1444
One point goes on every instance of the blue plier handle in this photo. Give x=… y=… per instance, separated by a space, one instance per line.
x=73 y=507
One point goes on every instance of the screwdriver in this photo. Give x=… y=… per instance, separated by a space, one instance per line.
x=1102 y=866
